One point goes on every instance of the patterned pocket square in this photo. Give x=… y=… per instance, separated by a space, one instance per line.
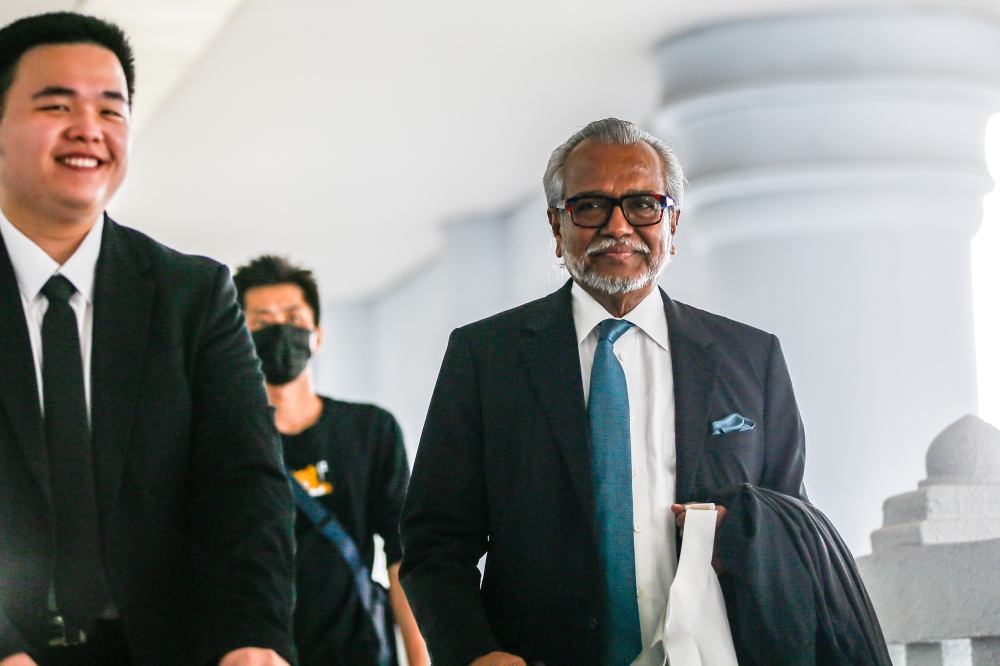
x=732 y=423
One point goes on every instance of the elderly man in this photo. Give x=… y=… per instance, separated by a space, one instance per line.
x=564 y=434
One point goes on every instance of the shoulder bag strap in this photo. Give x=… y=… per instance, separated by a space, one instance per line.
x=331 y=528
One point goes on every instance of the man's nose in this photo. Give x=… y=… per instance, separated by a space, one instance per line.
x=617 y=225
x=85 y=127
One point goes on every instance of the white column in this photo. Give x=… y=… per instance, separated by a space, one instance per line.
x=836 y=171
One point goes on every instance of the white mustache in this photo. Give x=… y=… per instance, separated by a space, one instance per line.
x=634 y=244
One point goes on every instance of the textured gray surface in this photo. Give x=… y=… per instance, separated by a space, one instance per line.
x=966 y=452
x=935 y=570
x=986 y=651
x=924 y=654
x=940 y=514
x=925 y=593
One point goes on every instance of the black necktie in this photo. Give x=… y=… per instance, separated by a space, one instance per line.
x=80 y=584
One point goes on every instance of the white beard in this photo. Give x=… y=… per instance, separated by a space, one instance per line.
x=618 y=285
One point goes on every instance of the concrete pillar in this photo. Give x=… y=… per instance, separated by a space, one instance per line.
x=836 y=168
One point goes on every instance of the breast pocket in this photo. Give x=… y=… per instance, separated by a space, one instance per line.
x=728 y=459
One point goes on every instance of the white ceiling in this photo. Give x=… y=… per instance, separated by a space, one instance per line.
x=168 y=37
x=346 y=133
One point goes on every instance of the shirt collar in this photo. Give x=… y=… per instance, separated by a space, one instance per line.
x=648 y=316
x=33 y=267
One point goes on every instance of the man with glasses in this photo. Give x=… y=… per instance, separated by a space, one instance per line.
x=565 y=435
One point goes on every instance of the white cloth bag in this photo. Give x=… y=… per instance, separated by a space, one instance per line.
x=694 y=629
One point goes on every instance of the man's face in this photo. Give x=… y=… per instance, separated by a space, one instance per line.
x=64 y=134
x=277 y=304
x=617 y=257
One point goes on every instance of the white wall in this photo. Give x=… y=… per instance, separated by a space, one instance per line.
x=388 y=349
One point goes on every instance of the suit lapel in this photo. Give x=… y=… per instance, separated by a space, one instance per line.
x=123 y=303
x=553 y=361
x=696 y=368
x=19 y=387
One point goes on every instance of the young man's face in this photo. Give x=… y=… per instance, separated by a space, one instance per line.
x=64 y=133
x=277 y=304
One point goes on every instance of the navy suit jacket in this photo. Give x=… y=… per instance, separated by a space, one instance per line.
x=195 y=511
x=504 y=468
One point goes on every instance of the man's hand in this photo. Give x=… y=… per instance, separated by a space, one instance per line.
x=498 y=659
x=21 y=659
x=249 y=656
x=680 y=512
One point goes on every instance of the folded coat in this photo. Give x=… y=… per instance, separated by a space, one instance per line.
x=793 y=593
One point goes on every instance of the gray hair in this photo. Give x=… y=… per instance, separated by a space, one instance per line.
x=612 y=131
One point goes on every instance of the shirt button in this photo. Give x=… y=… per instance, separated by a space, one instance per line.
x=638 y=527
x=635 y=473
x=623 y=356
x=640 y=592
x=631 y=416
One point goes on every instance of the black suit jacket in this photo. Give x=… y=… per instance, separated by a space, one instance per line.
x=794 y=596
x=504 y=466
x=195 y=512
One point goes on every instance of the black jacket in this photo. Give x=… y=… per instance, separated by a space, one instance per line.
x=793 y=593
x=504 y=466
x=196 y=514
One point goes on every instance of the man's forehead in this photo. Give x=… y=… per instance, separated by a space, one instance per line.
x=71 y=66
x=285 y=296
x=272 y=305
x=593 y=161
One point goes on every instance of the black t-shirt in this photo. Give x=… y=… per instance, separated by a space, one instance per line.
x=353 y=462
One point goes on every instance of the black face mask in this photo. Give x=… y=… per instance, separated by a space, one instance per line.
x=283 y=350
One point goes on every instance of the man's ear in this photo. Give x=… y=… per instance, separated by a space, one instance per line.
x=318 y=338
x=675 y=219
x=555 y=222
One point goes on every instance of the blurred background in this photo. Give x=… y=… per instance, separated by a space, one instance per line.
x=839 y=154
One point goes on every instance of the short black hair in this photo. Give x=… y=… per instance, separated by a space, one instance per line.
x=268 y=270
x=56 y=28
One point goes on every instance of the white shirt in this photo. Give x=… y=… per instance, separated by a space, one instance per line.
x=644 y=352
x=33 y=268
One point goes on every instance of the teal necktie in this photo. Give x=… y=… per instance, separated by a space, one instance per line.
x=611 y=439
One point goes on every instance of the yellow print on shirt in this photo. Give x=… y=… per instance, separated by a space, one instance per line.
x=313 y=479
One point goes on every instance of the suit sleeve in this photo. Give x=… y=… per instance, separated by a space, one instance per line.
x=786 y=440
x=393 y=475
x=11 y=640
x=242 y=511
x=444 y=524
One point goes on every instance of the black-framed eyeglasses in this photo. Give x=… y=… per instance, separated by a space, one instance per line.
x=593 y=211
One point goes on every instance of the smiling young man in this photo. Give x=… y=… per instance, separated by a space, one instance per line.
x=564 y=435
x=144 y=514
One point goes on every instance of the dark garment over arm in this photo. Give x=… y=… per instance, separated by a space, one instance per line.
x=793 y=593
x=504 y=466
x=367 y=469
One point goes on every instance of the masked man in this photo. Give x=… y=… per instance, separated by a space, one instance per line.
x=348 y=457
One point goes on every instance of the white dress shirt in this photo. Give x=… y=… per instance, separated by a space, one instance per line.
x=644 y=352
x=33 y=268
